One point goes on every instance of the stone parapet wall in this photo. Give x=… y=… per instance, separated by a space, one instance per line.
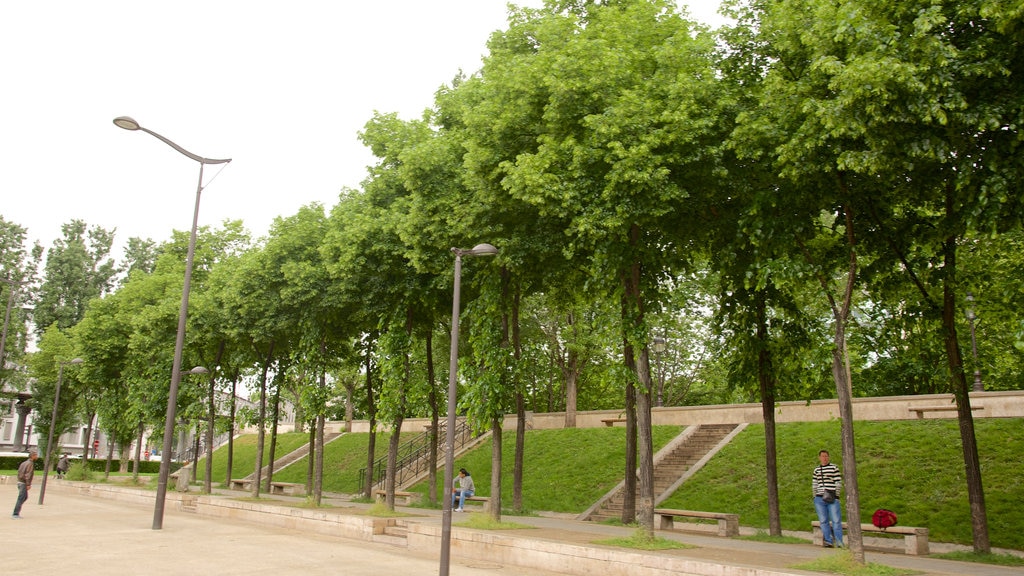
x=985 y=404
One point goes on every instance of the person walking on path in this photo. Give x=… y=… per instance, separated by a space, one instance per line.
x=465 y=489
x=62 y=466
x=26 y=471
x=825 y=483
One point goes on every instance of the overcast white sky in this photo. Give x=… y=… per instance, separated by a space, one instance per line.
x=282 y=88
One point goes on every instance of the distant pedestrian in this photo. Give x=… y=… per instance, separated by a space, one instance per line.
x=62 y=466
x=465 y=489
x=825 y=484
x=26 y=471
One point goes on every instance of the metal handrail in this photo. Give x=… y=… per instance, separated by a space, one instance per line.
x=414 y=456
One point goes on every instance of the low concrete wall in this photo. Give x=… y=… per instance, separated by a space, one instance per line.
x=986 y=404
x=320 y=521
x=567 y=558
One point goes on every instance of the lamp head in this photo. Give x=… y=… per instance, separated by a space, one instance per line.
x=126 y=122
x=482 y=250
x=658 y=344
x=199 y=370
x=75 y=361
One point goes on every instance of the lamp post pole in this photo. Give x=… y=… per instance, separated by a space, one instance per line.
x=659 y=350
x=453 y=368
x=179 y=343
x=978 y=387
x=53 y=424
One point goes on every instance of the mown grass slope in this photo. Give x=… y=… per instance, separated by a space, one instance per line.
x=912 y=467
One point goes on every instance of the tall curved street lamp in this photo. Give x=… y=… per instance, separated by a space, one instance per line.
x=179 y=344
x=53 y=424
x=453 y=368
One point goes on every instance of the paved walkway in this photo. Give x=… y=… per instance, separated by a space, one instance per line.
x=84 y=535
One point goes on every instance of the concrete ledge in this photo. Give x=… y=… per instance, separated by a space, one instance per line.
x=320 y=521
x=573 y=559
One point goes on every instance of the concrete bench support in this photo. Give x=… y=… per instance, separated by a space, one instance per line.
x=915 y=539
x=728 y=524
x=287 y=488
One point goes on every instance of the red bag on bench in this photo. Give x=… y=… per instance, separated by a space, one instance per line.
x=883 y=518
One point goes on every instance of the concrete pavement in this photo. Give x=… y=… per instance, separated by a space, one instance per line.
x=99 y=529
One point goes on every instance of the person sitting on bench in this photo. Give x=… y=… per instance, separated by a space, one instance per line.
x=465 y=489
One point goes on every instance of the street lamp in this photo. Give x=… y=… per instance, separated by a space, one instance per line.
x=978 y=387
x=53 y=424
x=179 y=344
x=659 y=346
x=453 y=368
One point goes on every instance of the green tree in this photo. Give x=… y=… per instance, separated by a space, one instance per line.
x=624 y=103
x=18 y=265
x=78 y=269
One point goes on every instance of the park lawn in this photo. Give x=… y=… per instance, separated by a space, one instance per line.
x=913 y=467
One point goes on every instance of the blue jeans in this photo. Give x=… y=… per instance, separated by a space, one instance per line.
x=22 y=496
x=460 y=497
x=831 y=518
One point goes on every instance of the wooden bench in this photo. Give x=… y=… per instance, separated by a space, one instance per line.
x=407 y=498
x=728 y=524
x=609 y=422
x=945 y=408
x=240 y=484
x=915 y=540
x=287 y=488
x=485 y=501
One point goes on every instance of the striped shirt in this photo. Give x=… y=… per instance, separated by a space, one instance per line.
x=826 y=477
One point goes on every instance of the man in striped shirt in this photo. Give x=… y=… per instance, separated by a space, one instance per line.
x=825 y=483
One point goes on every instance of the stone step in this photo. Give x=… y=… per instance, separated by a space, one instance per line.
x=391 y=540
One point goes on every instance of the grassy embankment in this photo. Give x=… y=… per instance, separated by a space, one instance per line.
x=912 y=467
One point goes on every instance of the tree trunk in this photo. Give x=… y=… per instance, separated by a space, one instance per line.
x=766 y=379
x=275 y=416
x=262 y=423
x=318 y=483
x=311 y=471
x=110 y=456
x=435 y=418
x=496 y=444
x=231 y=430
x=88 y=440
x=371 y=415
x=518 y=464
x=645 y=447
x=844 y=392
x=389 y=477
x=965 y=417
x=211 y=421
x=629 y=480
x=571 y=371
x=195 y=455
x=138 y=453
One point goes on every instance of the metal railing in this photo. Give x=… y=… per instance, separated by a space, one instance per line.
x=414 y=456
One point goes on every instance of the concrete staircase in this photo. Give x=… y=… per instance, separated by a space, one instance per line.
x=395 y=533
x=293 y=456
x=672 y=466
